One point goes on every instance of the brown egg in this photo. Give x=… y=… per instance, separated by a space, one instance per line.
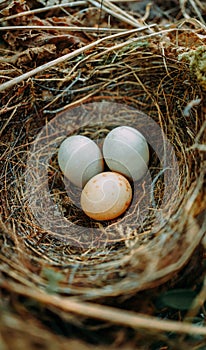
x=106 y=196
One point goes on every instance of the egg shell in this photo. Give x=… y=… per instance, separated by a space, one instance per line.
x=80 y=159
x=126 y=151
x=106 y=196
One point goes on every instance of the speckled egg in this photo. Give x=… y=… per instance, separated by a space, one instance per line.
x=106 y=196
x=80 y=159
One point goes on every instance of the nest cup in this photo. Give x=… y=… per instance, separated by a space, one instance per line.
x=101 y=116
x=165 y=222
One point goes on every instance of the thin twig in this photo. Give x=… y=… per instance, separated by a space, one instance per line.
x=43 y=9
x=105 y=313
x=197 y=303
x=123 y=17
x=182 y=6
x=117 y=9
x=193 y=4
x=63 y=28
x=70 y=55
x=133 y=40
x=197 y=145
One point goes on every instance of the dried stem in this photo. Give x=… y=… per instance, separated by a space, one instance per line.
x=105 y=313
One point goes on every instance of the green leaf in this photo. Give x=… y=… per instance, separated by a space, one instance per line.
x=53 y=277
x=180 y=299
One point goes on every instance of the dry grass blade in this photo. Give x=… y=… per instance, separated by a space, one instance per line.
x=40 y=10
x=196 y=9
x=70 y=55
x=194 y=4
x=64 y=29
x=116 y=12
x=108 y=314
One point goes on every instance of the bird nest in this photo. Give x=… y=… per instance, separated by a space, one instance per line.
x=145 y=80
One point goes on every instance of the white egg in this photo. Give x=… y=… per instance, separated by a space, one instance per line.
x=80 y=159
x=126 y=151
x=106 y=196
